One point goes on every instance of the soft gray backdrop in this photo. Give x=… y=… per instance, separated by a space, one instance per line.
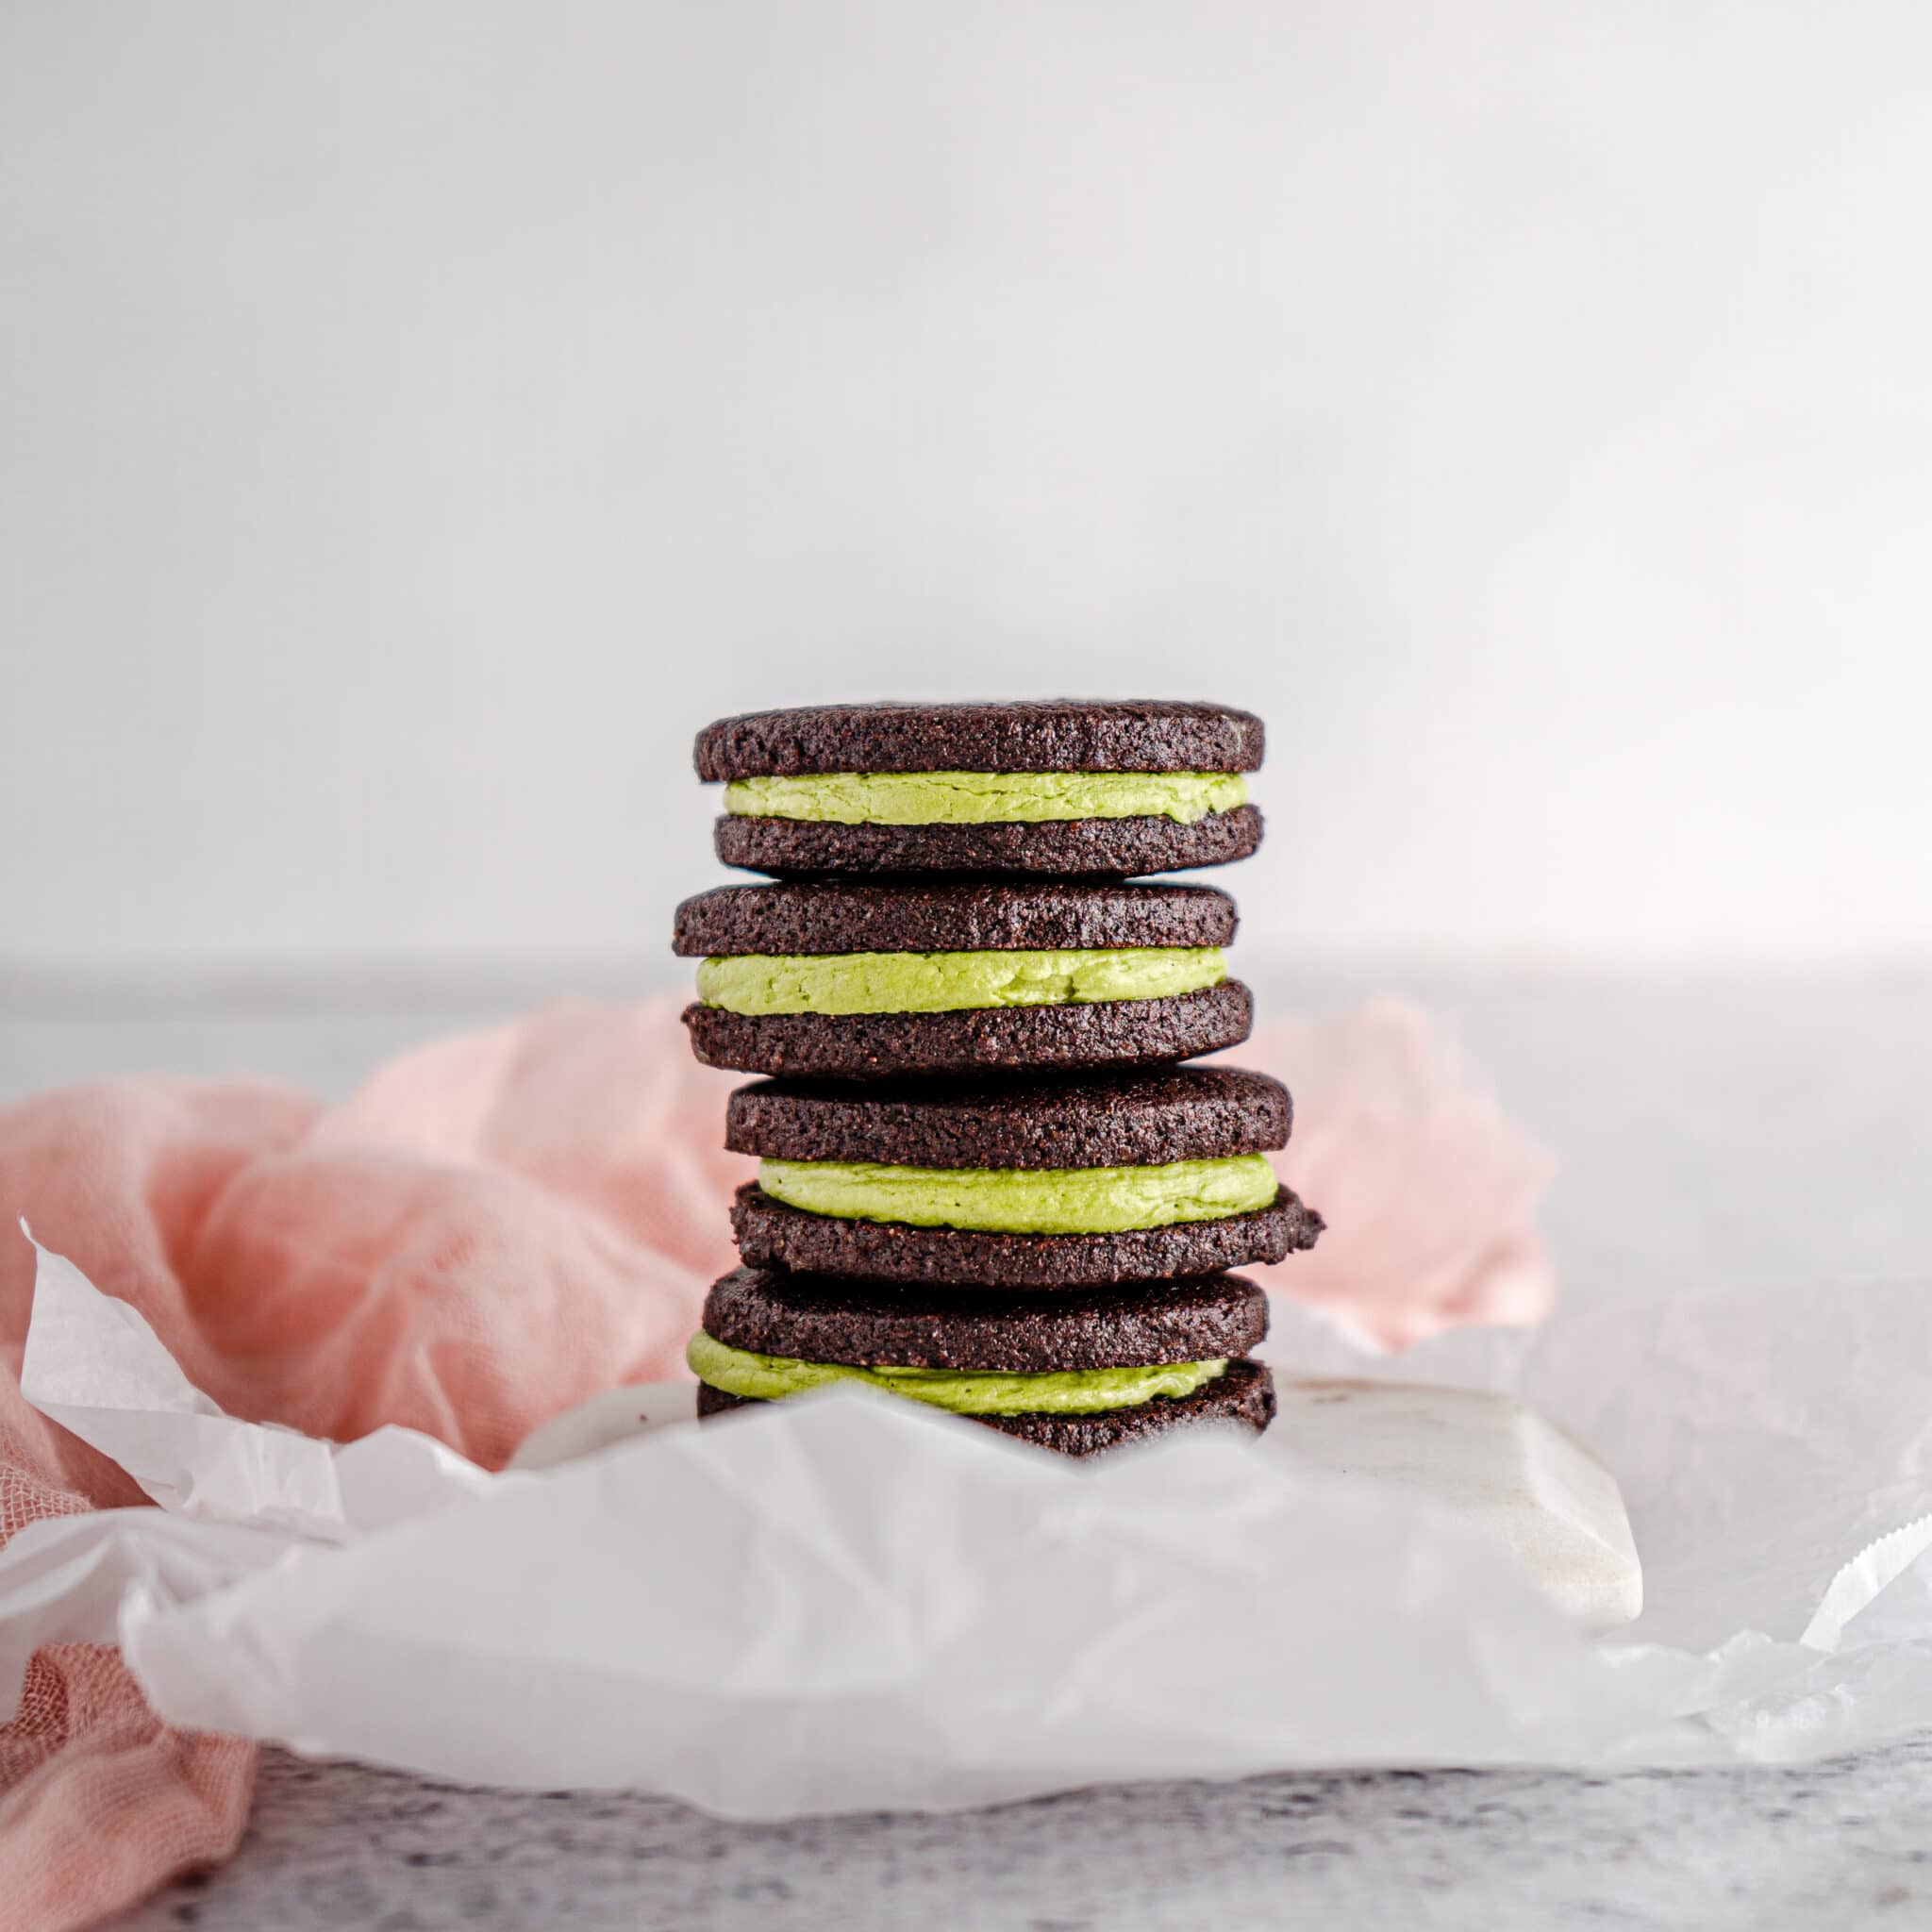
x=418 y=419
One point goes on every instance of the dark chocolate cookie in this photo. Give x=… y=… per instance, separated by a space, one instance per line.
x=976 y=1040
x=1064 y=735
x=922 y=917
x=1096 y=1120
x=1065 y=848
x=1244 y=1394
x=820 y=1319
x=770 y=1235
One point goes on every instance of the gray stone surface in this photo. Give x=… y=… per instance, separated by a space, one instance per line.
x=1839 y=1845
x=1712 y=1133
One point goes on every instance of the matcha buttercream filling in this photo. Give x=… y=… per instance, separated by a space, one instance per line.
x=1014 y=1200
x=947 y=982
x=964 y=1392
x=985 y=798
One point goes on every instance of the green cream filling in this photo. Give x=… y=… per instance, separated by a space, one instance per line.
x=964 y=1392
x=1016 y=1200
x=947 y=982
x=986 y=798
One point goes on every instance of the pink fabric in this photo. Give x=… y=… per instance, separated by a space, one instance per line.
x=494 y=1227
x=1427 y=1189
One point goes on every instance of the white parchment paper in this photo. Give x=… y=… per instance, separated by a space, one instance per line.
x=848 y=1602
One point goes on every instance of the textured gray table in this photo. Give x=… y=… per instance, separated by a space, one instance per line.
x=336 y=1846
x=1712 y=1133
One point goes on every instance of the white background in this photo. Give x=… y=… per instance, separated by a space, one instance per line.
x=419 y=419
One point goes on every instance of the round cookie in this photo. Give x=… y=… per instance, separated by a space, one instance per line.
x=918 y=917
x=823 y=1319
x=1122 y=848
x=1191 y=1122
x=1244 y=1395
x=1119 y=1033
x=772 y=1235
x=1127 y=976
x=1101 y=1120
x=1058 y=735
x=1079 y=822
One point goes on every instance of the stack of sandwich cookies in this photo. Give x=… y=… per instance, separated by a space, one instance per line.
x=983 y=1185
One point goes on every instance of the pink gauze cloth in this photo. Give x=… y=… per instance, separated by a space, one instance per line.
x=498 y=1226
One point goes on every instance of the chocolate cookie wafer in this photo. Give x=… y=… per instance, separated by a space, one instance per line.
x=1069 y=788
x=863 y=981
x=1018 y=1184
x=1077 y=1372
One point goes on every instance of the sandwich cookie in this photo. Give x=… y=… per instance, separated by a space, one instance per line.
x=1070 y=1183
x=1069 y=789
x=1077 y=1373
x=854 y=981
